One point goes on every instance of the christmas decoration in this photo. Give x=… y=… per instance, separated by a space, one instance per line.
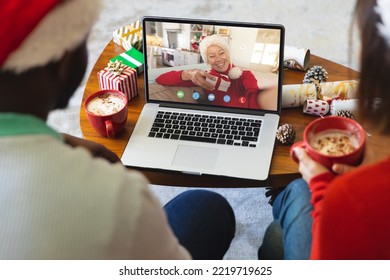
x=116 y=67
x=316 y=73
x=296 y=58
x=221 y=82
x=131 y=58
x=343 y=105
x=33 y=35
x=346 y=114
x=296 y=94
x=119 y=77
x=316 y=107
x=129 y=36
x=285 y=134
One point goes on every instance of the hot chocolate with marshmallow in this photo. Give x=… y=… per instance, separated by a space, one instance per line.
x=106 y=104
x=334 y=142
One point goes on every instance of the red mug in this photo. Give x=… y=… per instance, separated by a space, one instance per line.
x=333 y=124
x=107 y=112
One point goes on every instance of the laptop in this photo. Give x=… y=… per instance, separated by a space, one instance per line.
x=226 y=128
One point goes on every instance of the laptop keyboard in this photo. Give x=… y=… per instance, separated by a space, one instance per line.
x=206 y=128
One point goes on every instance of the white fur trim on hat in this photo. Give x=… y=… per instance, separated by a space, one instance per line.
x=235 y=73
x=213 y=40
x=63 y=29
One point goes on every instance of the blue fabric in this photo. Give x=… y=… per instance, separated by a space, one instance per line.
x=290 y=232
x=204 y=223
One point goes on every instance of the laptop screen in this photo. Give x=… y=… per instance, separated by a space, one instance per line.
x=204 y=63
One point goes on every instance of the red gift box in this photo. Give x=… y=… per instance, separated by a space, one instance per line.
x=125 y=82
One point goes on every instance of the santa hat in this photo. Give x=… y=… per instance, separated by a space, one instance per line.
x=216 y=40
x=36 y=32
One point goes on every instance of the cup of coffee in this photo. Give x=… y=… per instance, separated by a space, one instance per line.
x=333 y=139
x=107 y=112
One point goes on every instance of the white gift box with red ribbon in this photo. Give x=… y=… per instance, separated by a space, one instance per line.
x=222 y=82
x=125 y=82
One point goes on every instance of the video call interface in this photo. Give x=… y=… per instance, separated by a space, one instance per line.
x=174 y=47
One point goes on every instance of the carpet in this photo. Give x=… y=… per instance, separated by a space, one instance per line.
x=313 y=24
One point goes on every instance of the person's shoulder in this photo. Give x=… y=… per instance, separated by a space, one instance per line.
x=364 y=179
x=373 y=171
x=97 y=171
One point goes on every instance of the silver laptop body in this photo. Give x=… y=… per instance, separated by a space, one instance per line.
x=188 y=129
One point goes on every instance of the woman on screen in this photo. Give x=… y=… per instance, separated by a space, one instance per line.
x=224 y=83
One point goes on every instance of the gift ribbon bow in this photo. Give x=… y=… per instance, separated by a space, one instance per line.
x=117 y=67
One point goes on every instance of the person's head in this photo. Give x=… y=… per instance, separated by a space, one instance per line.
x=373 y=20
x=42 y=52
x=215 y=52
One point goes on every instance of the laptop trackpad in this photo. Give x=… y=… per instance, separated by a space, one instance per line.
x=195 y=157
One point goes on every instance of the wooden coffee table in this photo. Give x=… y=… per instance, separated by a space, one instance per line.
x=283 y=168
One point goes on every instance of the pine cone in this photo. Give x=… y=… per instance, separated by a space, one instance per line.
x=346 y=114
x=315 y=73
x=285 y=134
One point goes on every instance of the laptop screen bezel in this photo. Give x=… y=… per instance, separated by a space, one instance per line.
x=206 y=107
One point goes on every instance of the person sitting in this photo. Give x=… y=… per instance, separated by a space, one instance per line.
x=230 y=85
x=67 y=198
x=343 y=213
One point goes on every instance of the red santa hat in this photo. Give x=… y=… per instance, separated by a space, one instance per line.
x=213 y=40
x=36 y=32
x=216 y=40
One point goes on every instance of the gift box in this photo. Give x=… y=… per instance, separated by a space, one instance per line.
x=129 y=35
x=222 y=83
x=124 y=80
x=131 y=58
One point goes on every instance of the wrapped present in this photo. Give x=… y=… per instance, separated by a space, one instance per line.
x=222 y=83
x=119 y=77
x=131 y=58
x=129 y=36
x=296 y=94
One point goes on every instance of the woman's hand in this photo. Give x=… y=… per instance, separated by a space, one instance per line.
x=307 y=166
x=368 y=158
x=199 y=77
x=310 y=168
x=97 y=150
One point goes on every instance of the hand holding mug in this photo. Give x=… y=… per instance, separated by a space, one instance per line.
x=308 y=167
x=332 y=140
